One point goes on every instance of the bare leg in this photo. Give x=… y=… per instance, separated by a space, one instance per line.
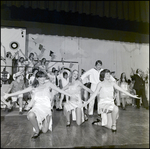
x=61 y=99
x=78 y=116
x=20 y=104
x=67 y=114
x=46 y=124
x=124 y=102
x=57 y=101
x=133 y=102
x=114 y=116
x=32 y=118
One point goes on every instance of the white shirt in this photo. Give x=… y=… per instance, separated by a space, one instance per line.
x=94 y=76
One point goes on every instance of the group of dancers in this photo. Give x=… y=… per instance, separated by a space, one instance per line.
x=43 y=91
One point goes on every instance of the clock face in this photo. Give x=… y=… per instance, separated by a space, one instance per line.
x=14 y=45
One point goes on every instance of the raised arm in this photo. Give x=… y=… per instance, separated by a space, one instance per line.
x=15 y=54
x=121 y=90
x=2 y=58
x=4 y=51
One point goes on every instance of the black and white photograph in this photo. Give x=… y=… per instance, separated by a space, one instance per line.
x=74 y=74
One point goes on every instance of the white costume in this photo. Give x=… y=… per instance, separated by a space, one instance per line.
x=73 y=103
x=42 y=106
x=106 y=105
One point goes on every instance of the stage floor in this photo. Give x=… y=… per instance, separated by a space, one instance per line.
x=132 y=131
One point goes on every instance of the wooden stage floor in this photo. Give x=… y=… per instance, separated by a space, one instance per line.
x=132 y=131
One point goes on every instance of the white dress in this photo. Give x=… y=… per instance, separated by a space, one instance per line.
x=73 y=103
x=42 y=106
x=106 y=105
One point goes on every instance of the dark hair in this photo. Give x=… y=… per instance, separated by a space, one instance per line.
x=43 y=59
x=65 y=73
x=53 y=69
x=8 y=53
x=34 y=69
x=82 y=71
x=21 y=58
x=129 y=81
x=98 y=61
x=122 y=77
x=31 y=54
x=102 y=74
x=137 y=71
x=38 y=75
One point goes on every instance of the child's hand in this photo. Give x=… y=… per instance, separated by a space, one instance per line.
x=136 y=96
x=27 y=108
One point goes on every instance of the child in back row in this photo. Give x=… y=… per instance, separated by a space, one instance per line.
x=16 y=85
x=124 y=85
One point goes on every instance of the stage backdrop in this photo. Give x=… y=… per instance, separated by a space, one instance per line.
x=116 y=56
x=13 y=39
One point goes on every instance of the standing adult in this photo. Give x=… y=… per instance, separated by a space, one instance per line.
x=139 y=86
x=93 y=75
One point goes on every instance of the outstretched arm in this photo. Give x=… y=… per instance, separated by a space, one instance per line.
x=121 y=90
x=53 y=86
x=86 y=88
x=93 y=95
x=18 y=92
x=30 y=104
x=65 y=87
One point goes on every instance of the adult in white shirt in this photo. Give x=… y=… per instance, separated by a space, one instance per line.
x=94 y=78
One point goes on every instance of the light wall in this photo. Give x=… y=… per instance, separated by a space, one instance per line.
x=86 y=45
x=116 y=56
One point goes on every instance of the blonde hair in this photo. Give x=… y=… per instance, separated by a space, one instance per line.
x=70 y=80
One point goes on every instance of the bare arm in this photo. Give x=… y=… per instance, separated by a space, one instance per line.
x=4 y=52
x=93 y=95
x=31 y=103
x=2 y=58
x=121 y=90
x=65 y=87
x=86 y=88
x=18 y=92
x=15 y=54
x=53 y=86
x=23 y=54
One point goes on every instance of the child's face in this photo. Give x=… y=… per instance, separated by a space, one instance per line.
x=107 y=75
x=123 y=79
x=41 y=80
x=75 y=75
x=66 y=76
x=21 y=60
